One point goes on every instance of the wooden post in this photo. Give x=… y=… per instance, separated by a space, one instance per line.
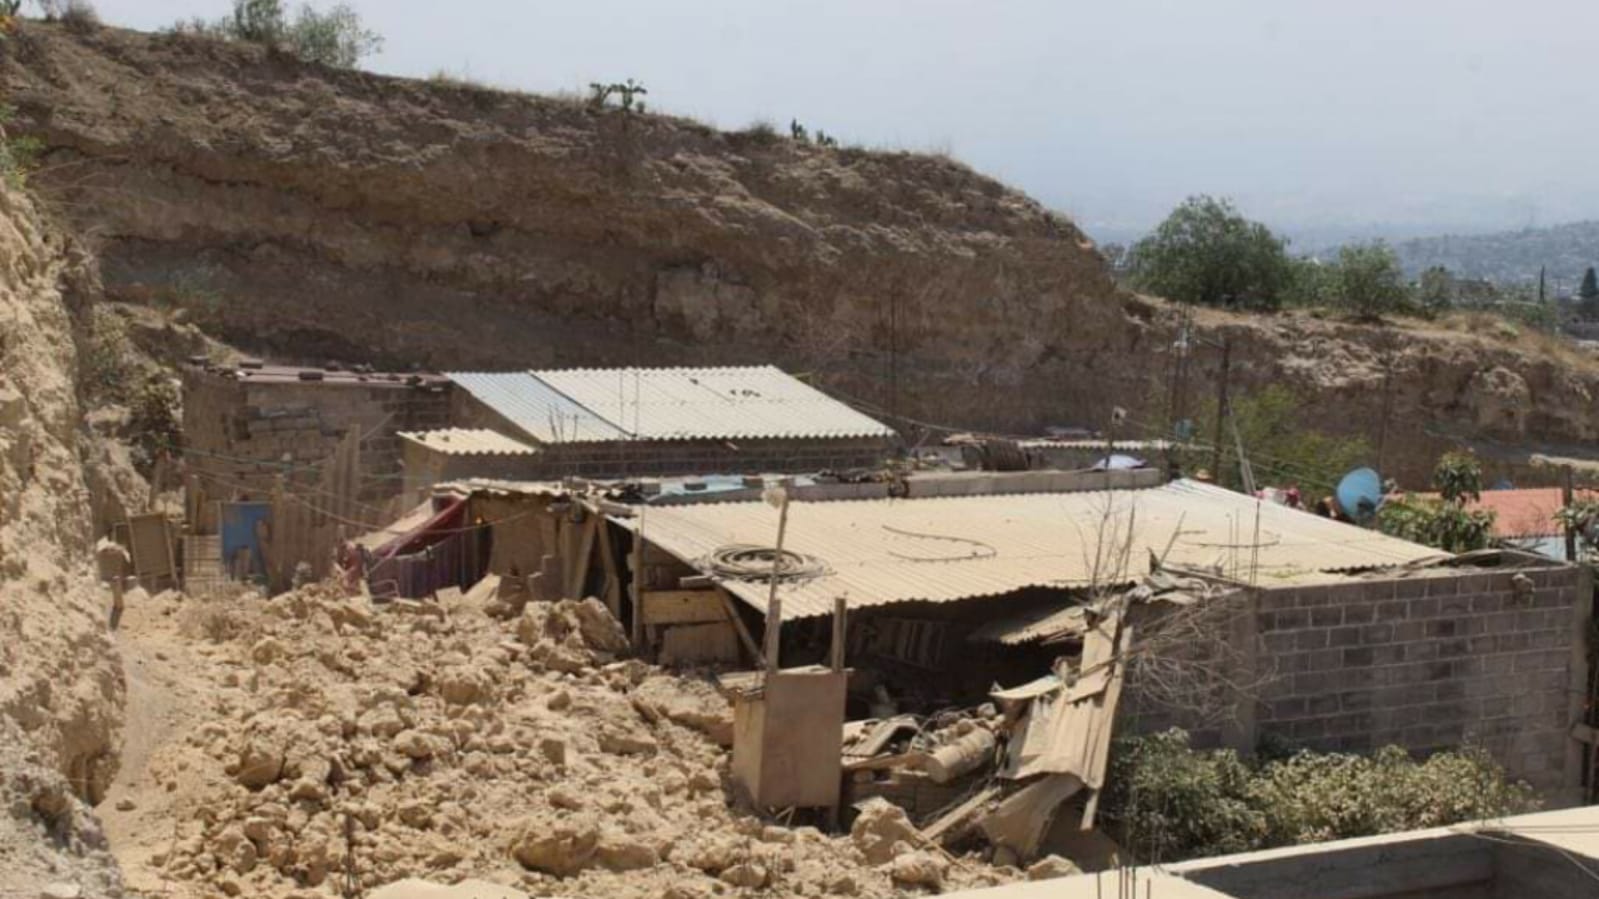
x=1221 y=407
x=1568 y=496
x=638 y=585
x=774 y=631
x=774 y=605
x=840 y=607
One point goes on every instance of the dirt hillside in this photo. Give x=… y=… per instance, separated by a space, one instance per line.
x=317 y=214
x=61 y=686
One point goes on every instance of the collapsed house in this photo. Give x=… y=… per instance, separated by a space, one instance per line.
x=998 y=628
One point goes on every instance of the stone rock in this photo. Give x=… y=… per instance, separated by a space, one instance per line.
x=553 y=749
x=879 y=826
x=126 y=805
x=599 y=628
x=561 y=846
x=61 y=890
x=691 y=703
x=919 y=869
x=267 y=650
x=260 y=763
x=1051 y=866
x=415 y=745
x=619 y=742
x=748 y=875
x=618 y=852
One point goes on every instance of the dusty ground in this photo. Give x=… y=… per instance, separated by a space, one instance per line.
x=274 y=746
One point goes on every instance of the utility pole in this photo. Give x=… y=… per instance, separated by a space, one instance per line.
x=1568 y=496
x=1221 y=406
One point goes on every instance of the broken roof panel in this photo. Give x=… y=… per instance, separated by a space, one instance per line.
x=941 y=549
x=469 y=442
x=710 y=403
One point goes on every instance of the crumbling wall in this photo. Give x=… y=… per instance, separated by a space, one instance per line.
x=240 y=437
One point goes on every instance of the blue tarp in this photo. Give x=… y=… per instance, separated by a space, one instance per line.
x=240 y=532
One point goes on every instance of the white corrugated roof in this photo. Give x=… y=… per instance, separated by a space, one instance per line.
x=535 y=407
x=941 y=549
x=469 y=442
x=710 y=403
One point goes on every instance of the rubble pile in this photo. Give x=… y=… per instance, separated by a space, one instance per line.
x=356 y=744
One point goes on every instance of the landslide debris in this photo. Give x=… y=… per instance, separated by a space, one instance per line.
x=349 y=742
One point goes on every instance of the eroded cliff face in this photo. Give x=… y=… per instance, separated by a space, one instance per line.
x=316 y=214
x=61 y=684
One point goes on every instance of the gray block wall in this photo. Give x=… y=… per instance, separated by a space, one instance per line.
x=1427 y=662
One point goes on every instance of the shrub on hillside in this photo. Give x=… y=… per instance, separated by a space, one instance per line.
x=335 y=37
x=1167 y=801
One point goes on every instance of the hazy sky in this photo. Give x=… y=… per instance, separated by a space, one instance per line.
x=1319 y=118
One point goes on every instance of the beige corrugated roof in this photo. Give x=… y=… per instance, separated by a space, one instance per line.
x=469 y=442
x=941 y=549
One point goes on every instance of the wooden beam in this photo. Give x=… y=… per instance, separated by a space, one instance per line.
x=682 y=607
x=613 y=575
x=578 y=573
x=638 y=586
x=744 y=635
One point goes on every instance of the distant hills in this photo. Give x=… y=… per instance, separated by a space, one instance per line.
x=1509 y=256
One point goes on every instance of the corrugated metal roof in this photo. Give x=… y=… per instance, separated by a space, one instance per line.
x=536 y=407
x=710 y=403
x=942 y=549
x=469 y=442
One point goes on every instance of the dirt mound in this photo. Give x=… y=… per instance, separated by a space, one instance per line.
x=347 y=741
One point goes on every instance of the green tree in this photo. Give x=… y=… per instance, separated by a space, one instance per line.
x=1282 y=449
x=1435 y=291
x=1445 y=523
x=1369 y=280
x=1206 y=252
x=1588 y=295
x=1309 y=282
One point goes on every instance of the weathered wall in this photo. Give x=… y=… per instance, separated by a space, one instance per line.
x=314 y=214
x=240 y=436
x=1429 y=663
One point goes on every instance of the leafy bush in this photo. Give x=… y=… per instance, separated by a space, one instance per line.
x=80 y=16
x=1168 y=801
x=155 y=424
x=332 y=38
x=1444 y=523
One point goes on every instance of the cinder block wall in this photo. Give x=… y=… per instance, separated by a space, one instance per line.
x=1427 y=662
x=241 y=435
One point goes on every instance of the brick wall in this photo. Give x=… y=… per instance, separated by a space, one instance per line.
x=1426 y=662
x=239 y=436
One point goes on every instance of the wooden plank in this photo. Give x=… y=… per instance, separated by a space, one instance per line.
x=578 y=573
x=682 y=607
x=638 y=586
x=613 y=576
x=744 y=636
